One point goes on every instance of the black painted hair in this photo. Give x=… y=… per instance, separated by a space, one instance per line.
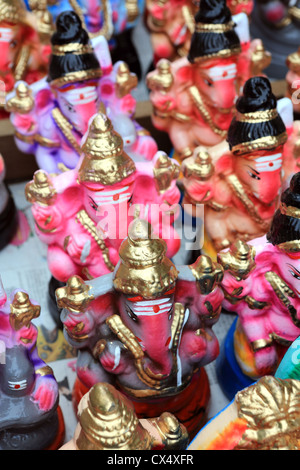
x=69 y=30
x=209 y=44
x=285 y=228
x=257 y=96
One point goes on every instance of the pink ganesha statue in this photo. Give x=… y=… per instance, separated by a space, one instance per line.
x=51 y=117
x=193 y=98
x=240 y=189
x=30 y=418
x=147 y=328
x=262 y=286
x=83 y=214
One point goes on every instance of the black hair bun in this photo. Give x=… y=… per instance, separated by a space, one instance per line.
x=291 y=196
x=211 y=42
x=284 y=227
x=213 y=12
x=257 y=96
x=69 y=29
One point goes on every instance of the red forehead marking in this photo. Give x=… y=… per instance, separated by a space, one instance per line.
x=294 y=255
x=138 y=298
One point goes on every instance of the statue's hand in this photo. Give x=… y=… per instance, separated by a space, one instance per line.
x=27 y=336
x=45 y=392
x=78 y=247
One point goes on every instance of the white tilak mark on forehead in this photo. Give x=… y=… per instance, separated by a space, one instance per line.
x=6 y=35
x=226 y=72
x=17 y=385
x=102 y=197
x=268 y=158
x=145 y=308
x=112 y=192
x=269 y=163
x=153 y=302
x=81 y=95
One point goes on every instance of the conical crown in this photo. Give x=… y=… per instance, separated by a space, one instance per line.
x=144 y=268
x=14 y=11
x=104 y=160
x=109 y=422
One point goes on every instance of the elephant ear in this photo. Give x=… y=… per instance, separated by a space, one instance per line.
x=289 y=367
x=185 y=75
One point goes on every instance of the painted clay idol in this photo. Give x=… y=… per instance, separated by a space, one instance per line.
x=53 y=123
x=240 y=189
x=193 y=98
x=265 y=297
x=83 y=214
x=30 y=418
x=293 y=79
x=107 y=421
x=113 y=19
x=146 y=327
x=263 y=416
x=8 y=211
x=24 y=56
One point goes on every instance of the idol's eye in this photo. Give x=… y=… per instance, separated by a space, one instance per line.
x=131 y=314
x=69 y=107
x=295 y=275
x=208 y=82
x=253 y=175
x=93 y=204
x=13 y=44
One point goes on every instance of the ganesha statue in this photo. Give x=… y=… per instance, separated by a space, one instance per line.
x=253 y=419
x=261 y=285
x=51 y=117
x=30 y=418
x=83 y=215
x=147 y=328
x=240 y=189
x=107 y=421
x=193 y=97
x=113 y=19
x=24 y=46
x=262 y=416
x=171 y=25
x=293 y=79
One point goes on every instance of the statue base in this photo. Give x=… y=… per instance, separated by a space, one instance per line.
x=189 y=406
x=49 y=435
x=230 y=376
